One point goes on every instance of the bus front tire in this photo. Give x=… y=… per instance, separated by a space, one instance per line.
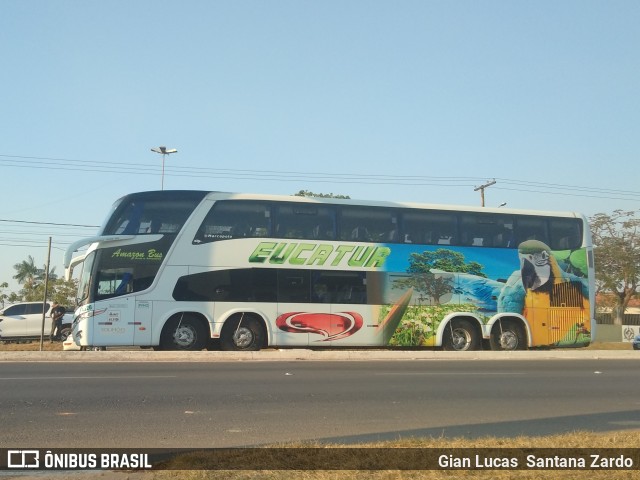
x=184 y=332
x=460 y=336
x=508 y=336
x=244 y=333
x=65 y=331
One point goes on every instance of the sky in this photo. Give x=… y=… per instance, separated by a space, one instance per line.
x=419 y=101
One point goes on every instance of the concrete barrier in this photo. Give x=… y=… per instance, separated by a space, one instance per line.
x=294 y=355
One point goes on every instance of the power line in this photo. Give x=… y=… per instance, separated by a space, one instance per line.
x=36 y=233
x=50 y=223
x=312 y=177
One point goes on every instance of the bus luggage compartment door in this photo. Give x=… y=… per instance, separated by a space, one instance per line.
x=142 y=323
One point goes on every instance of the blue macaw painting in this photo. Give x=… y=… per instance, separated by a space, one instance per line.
x=548 y=288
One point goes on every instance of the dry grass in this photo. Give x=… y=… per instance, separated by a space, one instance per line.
x=33 y=346
x=613 y=440
x=609 y=346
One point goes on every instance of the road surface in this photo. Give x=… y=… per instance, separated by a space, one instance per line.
x=247 y=403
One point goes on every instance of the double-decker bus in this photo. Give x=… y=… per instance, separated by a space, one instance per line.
x=192 y=270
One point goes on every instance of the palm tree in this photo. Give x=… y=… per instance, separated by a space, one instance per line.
x=26 y=271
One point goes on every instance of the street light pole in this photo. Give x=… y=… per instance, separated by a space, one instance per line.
x=164 y=152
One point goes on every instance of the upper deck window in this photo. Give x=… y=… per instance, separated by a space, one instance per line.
x=566 y=233
x=362 y=224
x=235 y=219
x=531 y=228
x=304 y=221
x=429 y=227
x=486 y=230
x=152 y=212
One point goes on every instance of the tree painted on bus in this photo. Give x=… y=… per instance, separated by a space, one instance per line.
x=431 y=274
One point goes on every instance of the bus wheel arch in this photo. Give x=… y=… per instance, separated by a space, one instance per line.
x=508 y=333
x=243 y=331
x=462 y=334
x=185 y=331
x=66 y=329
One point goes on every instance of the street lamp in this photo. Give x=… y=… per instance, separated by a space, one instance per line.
x=164 y=152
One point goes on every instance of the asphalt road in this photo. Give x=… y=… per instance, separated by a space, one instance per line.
x=244 y=403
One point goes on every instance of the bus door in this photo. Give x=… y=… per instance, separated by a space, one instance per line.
x=113 y=323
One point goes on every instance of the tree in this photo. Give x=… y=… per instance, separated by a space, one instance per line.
x=64 y=292
x=26 y=272
x=32 y=280
x=307 y=193
x=431 y=272
x=3 y=296
x=616 y=240
x=443 y=259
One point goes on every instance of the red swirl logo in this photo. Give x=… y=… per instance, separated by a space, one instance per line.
x=333 y=326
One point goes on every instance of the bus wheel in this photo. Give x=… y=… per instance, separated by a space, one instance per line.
x=507 y=336
x=460 y=336
x=183 y=332
x=65 y=331
x=243 y=333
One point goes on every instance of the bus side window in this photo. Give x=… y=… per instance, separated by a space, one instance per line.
x=360 y=234
x=565 y=233
x=485 y=229
x=429 y=227
x=304 y=221
x=240 y=230
x=124 y=284
x=531 y=228
x=339 y=287
x=234 y=219
x=360 y=224
x=293 y=286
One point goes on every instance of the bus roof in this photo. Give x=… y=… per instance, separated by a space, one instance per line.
x=219 y=195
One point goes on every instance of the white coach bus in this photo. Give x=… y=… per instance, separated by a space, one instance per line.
x=191 y=270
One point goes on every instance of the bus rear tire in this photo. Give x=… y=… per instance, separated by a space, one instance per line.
x=242 y=333
x=184 y=332
x=460 y=336
x=507 y=336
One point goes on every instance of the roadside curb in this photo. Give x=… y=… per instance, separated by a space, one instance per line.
x=273 y=355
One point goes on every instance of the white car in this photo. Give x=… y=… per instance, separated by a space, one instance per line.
x=23 y=321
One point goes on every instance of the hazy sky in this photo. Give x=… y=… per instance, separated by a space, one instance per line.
x=407 y=100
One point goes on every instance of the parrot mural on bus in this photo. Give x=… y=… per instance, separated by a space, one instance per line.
x=549 y=289
x=539 y=285
x=539 y=271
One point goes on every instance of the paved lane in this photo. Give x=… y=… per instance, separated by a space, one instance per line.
x=131 y=404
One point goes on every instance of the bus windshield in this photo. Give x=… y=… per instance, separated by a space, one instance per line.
x=84 y=284
x=152 y=213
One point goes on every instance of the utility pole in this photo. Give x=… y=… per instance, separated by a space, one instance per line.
x=46 y=288
x=481 y=188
